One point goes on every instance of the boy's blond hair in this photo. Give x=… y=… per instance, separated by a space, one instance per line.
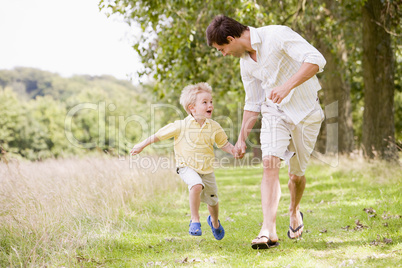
x=189 y=94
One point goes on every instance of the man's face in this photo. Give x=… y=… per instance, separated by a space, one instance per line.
x=233 y=48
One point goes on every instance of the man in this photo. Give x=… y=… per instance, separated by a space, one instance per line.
x=278 y=70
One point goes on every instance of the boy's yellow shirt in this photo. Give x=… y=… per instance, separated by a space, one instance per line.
x=193 y=144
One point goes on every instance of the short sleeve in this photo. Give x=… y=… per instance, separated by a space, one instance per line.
x=168 y=131
x=220 y=136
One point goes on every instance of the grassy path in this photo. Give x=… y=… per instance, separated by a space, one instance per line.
x=338 y=231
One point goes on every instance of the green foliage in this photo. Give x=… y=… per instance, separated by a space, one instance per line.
x=174 y=51
x=45 y=115
x=11 y=120
x=173 y=48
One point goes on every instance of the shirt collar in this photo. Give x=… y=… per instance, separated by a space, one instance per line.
x=254 y=37
x=255 y=40
x=192 y=119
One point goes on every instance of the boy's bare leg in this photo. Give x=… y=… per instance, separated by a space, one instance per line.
x=270 y=195
x=296 y=187
x=195 y=200
x=214 y=211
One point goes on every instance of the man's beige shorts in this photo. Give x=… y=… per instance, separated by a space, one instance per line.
x=290 y=142
x=209 y=193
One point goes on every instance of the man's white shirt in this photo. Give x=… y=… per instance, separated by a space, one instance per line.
x=280 y=53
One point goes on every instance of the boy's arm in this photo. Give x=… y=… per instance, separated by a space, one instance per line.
x=140 y=146
x=228 y=147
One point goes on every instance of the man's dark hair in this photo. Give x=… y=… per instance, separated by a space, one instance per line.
x=221 y=27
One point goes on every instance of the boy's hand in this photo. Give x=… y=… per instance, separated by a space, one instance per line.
x=239 y=149
x=233 y=152
x=136 y=149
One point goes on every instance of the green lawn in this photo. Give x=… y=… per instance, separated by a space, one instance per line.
x=152 y=230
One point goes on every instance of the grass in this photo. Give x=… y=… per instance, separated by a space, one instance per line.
x=102 y=213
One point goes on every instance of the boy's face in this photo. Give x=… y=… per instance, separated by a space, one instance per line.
x=203 y=106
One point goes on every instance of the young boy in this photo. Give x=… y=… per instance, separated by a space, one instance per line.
x=194 y=138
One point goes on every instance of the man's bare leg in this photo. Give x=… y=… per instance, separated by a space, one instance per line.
x=270 y=195
x=296 y=187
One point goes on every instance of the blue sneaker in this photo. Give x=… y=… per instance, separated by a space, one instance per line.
x=218 y=233
x=195 y=229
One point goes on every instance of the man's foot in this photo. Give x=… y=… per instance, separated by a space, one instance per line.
x=297 y=231
x=263 y=242
x=195 y=228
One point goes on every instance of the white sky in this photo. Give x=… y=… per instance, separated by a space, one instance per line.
x=66 y=37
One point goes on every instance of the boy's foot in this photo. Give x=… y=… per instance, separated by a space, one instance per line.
x=195 y=228
x=263 y=242
x=294 y=231
x=218 y=233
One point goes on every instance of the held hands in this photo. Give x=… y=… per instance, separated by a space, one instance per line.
x=239 y=149
x=278 y=94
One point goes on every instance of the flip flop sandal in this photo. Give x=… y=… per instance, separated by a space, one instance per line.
x=264 y=245
x=195 y=229
x=218 y=233
x=297 y=229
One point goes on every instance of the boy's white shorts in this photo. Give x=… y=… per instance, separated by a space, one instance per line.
x=292 y=143
x=209 y=193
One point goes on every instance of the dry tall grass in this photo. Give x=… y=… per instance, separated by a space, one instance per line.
x=44 y=205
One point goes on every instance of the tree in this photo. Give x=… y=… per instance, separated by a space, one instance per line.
x=174 y=50
x=331 y=28
x=378 y=74
x=11 y=120
x=110 y=114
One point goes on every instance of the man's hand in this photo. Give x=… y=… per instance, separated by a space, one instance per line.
x=239 y=149
x=249 y=119
x=136 y=149
x=306 y=71
x=279 y=93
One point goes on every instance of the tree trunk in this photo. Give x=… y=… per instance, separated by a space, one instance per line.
x=338 y=107
x=378 y=75
x=336 y=135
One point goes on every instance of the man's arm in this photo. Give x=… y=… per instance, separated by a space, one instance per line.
x=249 y=119
x=306 y=71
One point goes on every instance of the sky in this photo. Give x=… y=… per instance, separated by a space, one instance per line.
x=67 y=37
